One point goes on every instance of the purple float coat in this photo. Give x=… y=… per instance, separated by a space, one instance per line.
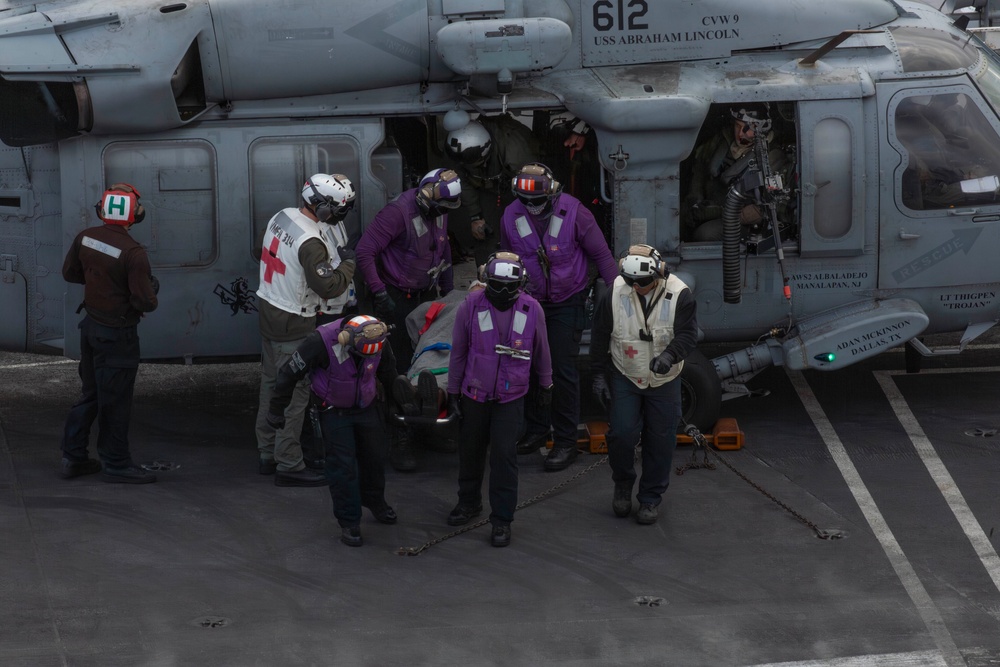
x=407 y=246
x=477 y=370
x=347 y=383
x=575 y=240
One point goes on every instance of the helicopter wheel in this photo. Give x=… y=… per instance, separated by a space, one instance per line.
x=701 y=393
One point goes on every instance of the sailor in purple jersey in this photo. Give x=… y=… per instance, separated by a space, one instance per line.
x=404 y=254
x=499 y=344
x=555 y=236
x=346 y=360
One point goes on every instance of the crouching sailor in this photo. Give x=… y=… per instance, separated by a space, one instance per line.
x=347 y=360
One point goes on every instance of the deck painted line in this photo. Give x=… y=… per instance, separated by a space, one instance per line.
x=915 y=659
x=40 y=363
x=922 y=601
x=939 y=473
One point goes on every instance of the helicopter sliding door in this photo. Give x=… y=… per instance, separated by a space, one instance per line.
x=940 y=197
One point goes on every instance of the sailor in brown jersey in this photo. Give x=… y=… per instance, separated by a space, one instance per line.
x=118 y=288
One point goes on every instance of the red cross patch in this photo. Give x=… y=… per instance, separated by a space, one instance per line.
x=630 y=352
x=273 y=264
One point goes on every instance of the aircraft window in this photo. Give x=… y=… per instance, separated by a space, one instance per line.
x=832 y=166
x=988 y=77
x=177 y=182
x=279 y=167
x=923 y=50
x=954 y=153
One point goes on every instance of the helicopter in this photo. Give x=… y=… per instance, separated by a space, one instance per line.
x=218 y=110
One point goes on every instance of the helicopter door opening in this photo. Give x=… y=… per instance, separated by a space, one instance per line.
x=725 y=160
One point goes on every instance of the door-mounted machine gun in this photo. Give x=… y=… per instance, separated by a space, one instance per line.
x=760 y=186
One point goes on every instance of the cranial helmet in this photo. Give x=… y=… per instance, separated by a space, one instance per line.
x=756 y=113
x=536 y=188
x=505 y=276
x=363 y=334
x=439 y=189
x=470 y=144
x=642 y=265
x=331 y=196
x=120 y=205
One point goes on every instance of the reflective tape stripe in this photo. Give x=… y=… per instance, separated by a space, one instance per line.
x=102 y=247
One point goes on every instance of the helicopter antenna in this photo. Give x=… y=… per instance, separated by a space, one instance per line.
x=813 y=58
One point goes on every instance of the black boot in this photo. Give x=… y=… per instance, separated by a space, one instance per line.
x=501 y=535
x=69 y=469
x=622 y=502
x=531 y=442
x=383 y=513
x=560 y=458
x=132 y=474
x=463 y=514
x=405 y=396
x=401 y=453
x=304 y=477
x=427 y=387
x=351 y=536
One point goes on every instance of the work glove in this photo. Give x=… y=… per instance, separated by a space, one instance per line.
x=455 y=406
x=156 y=284
x=662 y=363
x=346 y=254
x=275 y=420
x=601 y=390
x=543 y=398
x=478 y=227
x=751 y=215
x=384 y=305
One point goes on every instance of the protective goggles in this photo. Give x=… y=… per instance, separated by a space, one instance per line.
x=641 y=281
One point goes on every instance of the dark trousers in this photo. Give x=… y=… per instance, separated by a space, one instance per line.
x=109 y=361
x=495 y=426
x=649 y=415
x=355 y=461
x=399 y=339
x=564 y=324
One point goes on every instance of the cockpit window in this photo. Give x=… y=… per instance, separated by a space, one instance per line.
x=988 y=76
x=953 y=153
x=923 y=50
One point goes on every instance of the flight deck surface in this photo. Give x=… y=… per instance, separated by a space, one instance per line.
x=214 y=565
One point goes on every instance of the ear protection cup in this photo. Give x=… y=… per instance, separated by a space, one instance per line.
x=363 y=334
x=322 y=209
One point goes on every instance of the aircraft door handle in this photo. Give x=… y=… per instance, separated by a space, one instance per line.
x=967 y=211
x=908 y=236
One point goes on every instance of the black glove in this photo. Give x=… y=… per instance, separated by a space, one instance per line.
x=346 y=254
x=275 y=421
x=455 y=406
x=543 y=399
x=601 y=390
x=384 y=305
x=156 y=284
x=662 y=363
